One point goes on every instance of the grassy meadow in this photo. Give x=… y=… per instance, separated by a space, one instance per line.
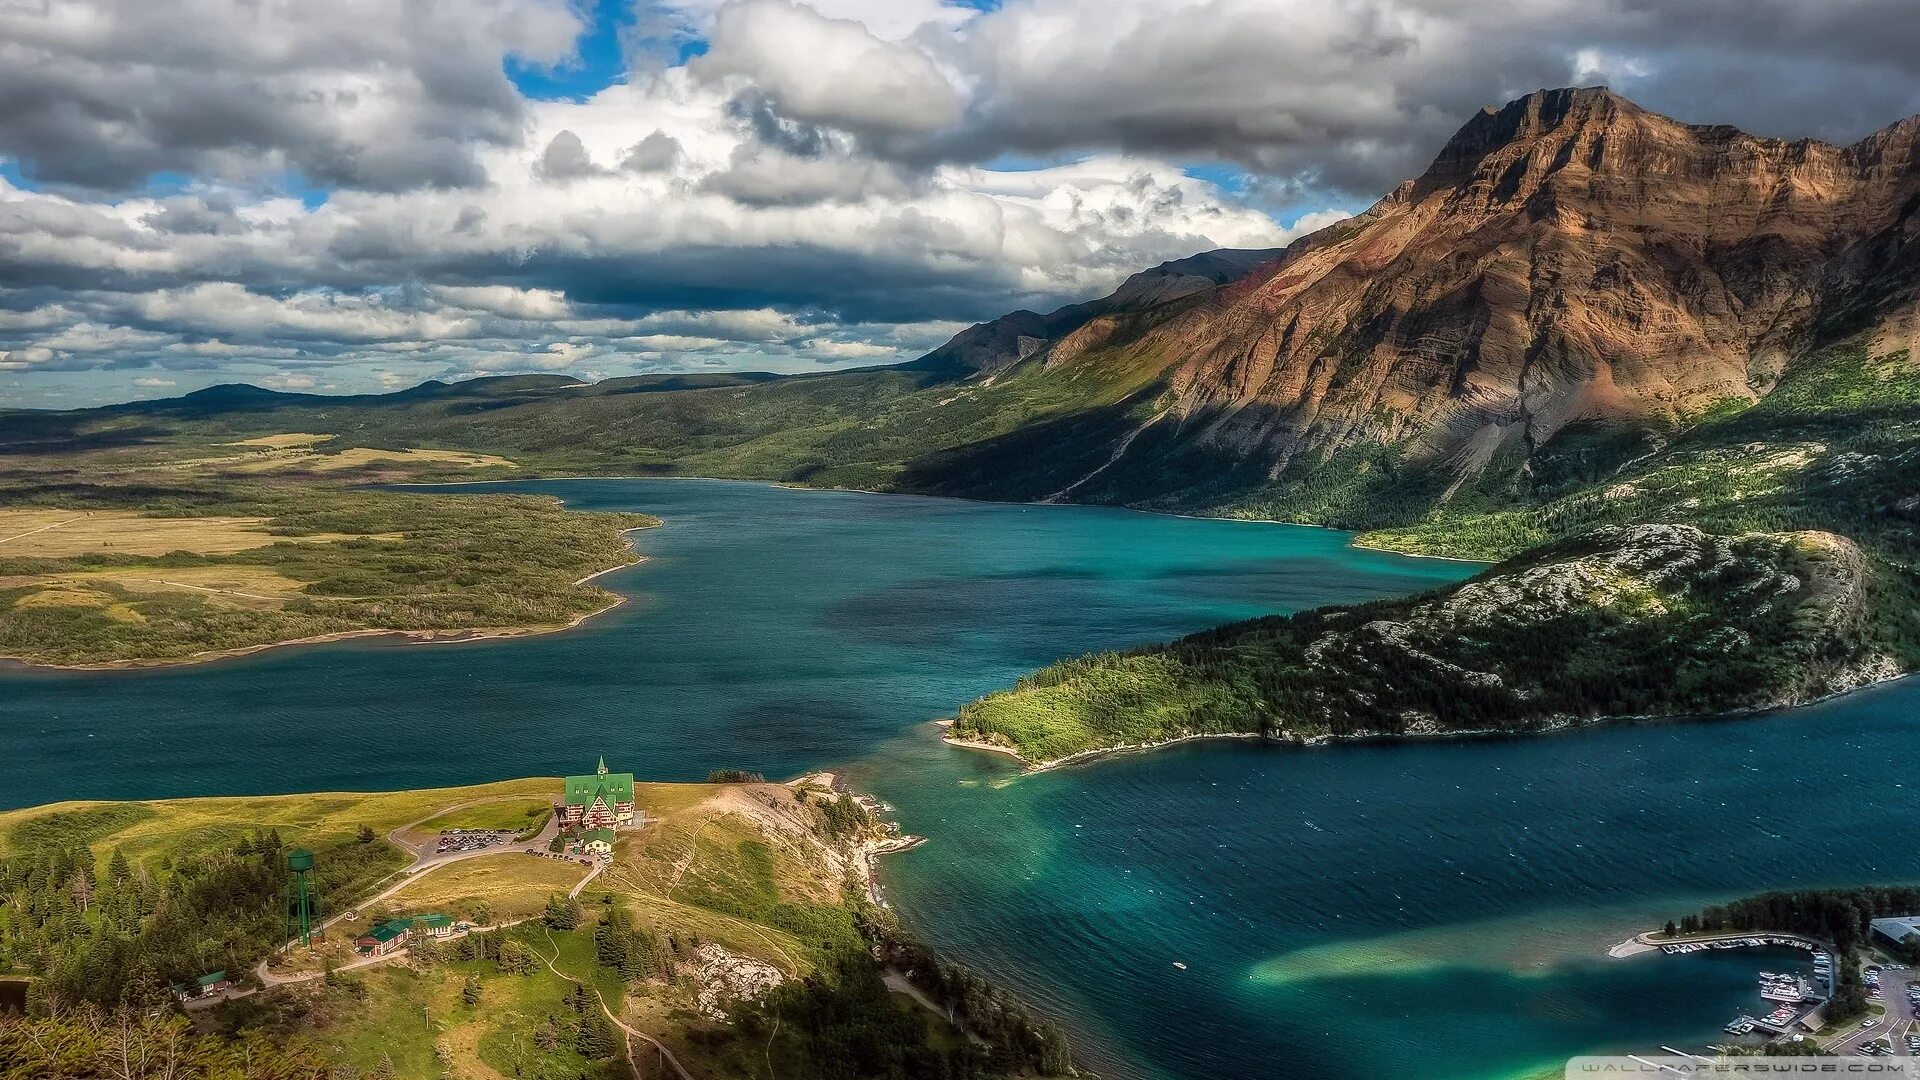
x=176 y=550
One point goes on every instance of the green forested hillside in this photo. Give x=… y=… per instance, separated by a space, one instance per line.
x=1624 y=621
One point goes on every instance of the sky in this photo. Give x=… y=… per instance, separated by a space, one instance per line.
x=359 y=195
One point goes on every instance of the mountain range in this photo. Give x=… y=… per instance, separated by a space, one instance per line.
x=1582 y=315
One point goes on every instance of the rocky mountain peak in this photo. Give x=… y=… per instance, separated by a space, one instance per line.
x=1570 y=260
x=1567 y=111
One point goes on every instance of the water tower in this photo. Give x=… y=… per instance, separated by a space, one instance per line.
x=303 y=907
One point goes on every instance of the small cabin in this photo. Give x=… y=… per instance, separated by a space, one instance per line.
x=434 y=926
x=385 y=938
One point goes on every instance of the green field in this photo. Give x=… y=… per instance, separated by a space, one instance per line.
x=214 y=567
x=760 y=870
x=520 y=815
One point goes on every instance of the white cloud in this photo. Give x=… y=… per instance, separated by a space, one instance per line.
x=375 y=93
x=506 y=300
x=827 y=71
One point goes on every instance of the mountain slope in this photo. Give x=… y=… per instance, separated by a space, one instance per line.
x=1570 y=261
x=1646 y=619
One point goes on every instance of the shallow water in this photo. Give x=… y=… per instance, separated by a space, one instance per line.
x=1439 y=909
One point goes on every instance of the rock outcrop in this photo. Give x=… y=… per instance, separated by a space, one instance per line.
x=1569 y=258
x=1625 y=621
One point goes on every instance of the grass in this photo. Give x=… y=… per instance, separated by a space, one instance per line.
x=360 y=457
x=515 y=885
x=63 y=533
x=1107 y=701
x=176 y=827
x=516 y=814
x=224 y=568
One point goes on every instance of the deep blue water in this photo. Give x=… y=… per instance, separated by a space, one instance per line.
x=1433 y=910
x=769 y=629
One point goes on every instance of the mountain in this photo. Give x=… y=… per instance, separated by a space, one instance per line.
x=987 y=349
x=1568 y=263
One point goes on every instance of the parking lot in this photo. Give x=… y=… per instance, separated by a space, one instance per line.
x=473 y=840
x=1892 y=1033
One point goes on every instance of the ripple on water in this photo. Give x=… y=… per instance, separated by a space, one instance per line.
x=1441 y=910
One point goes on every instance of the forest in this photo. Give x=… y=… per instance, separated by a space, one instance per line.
x=1626 y=621
x=105 y=937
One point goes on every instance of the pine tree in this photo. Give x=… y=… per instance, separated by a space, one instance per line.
x=597 y=1038
x=563 y=912
x=470 y=992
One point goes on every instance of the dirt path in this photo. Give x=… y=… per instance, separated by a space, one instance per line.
x=41 y=529
x=631 y=1033
x=231 y=592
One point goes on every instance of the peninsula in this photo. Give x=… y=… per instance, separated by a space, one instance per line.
x=536 y=927
x=1625 y=621
x=186 y=550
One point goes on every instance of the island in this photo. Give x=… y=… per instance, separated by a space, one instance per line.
x=547 y=927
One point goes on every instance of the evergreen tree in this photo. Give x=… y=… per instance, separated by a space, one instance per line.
x=563 y=912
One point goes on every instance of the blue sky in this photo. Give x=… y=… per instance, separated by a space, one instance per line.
x=361 y=195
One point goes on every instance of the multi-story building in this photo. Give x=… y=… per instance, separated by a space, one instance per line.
x=602 y=800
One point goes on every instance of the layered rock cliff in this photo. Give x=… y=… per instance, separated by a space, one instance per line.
x=1568 y=260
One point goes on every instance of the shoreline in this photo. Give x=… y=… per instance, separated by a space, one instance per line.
x=1641 y=944
x=1558 y=726
x=792 y=486
x=462 y=636
x=865 y=853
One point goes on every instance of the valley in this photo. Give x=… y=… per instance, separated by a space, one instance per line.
x=1657 y=381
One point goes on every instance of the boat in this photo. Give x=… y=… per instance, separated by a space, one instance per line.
x=1180 y=965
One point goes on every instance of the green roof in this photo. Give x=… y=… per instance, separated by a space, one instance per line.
x=614 y=788
x=598 y=834
x=389 y=930
x=434 y=921
x=210 y=979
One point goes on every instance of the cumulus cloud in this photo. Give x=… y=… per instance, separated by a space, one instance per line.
x=566 y=158
x=658 y=152
x=825 y=182
x=823 y=70
x=366 y=93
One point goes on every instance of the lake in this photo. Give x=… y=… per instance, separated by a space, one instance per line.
x=1438 y=909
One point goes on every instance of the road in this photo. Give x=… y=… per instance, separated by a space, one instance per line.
x=425 y=861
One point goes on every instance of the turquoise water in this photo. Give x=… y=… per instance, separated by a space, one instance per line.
x=1431 y=910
